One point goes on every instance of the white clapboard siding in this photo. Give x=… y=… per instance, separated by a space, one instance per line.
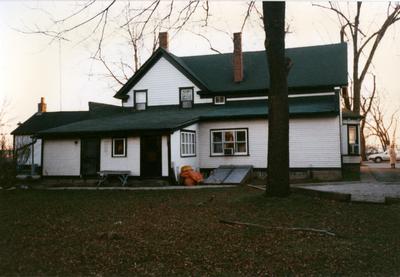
x=176 y=160
x=162 y=83
x=130 y=162
x=22 y=159
x=313 y=143
x=62 y=157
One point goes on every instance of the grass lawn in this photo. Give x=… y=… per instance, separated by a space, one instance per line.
x=167 y=233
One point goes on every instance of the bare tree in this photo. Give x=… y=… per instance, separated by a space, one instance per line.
x=366 y=105
x=364 y=43
x=137 y=23
x=4 y=118
x=7 y=167
x=278 y=104
x=382 y=125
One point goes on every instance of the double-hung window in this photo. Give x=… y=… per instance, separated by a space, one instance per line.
x=229 y=142
x=186 y=97
x=140 y=99
x=188 y=143
x=119 y=147
x=352 y=138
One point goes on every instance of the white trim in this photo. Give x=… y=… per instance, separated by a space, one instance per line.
x=246 y=98
x=234 y=141
x=290 y=96
x=220 y=97
x=124 y=148
x=188 y=139
x=311 y=94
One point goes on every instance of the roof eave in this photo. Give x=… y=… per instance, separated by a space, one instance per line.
x=128 y=132
x=264 y=92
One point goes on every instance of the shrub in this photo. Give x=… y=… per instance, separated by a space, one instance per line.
x=7 y=172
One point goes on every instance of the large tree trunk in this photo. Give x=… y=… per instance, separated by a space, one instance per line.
x=278 y=114
x=362 y=141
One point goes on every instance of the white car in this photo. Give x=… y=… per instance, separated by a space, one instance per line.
x=379 y=157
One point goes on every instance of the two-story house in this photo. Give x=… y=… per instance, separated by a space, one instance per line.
x=205 y=111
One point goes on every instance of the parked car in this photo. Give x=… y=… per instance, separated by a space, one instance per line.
x=379 y=157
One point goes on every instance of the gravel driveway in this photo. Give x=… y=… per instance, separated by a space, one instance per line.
x=378 y=182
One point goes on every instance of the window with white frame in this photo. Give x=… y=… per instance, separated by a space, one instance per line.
x=118 y=147
x=229 y=142
x=188 y=143
x=352 y=138
x=186 y=97
x=219 y=100
x=140 y=99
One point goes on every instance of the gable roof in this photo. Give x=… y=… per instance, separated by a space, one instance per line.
x=320 y=67
x=175 y=61
x=169 y=118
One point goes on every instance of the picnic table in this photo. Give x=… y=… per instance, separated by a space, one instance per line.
x=121 y=174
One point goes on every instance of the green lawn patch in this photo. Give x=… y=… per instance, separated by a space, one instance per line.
x=178 y=233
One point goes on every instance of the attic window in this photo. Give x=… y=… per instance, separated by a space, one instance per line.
x=140 y=99
x=186 y=97
x=219 y=100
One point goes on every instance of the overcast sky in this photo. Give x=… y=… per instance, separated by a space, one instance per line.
x=29 y=66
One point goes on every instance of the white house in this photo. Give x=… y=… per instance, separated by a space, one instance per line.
x=205 y=111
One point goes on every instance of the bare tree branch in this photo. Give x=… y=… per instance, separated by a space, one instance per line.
x=208 y=41
x=249 y=9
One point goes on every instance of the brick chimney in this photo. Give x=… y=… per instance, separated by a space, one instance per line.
x=163 y=40
x=237 y=58
x=42 y=106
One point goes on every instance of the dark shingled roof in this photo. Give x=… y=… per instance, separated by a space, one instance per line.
x=170 y=118
x=47 y=120
x=314 y=68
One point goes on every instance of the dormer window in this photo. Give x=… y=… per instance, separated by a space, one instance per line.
x=186 y=97
x=219 y=100
x=140 y=99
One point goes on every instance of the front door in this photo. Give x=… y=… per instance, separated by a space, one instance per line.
x=90 y=156
x=150 y=156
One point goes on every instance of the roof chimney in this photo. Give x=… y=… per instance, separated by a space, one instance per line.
x=163 y=40
x=237 y=58
x=42 y=106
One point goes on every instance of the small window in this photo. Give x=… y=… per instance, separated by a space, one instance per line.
x=186 y=97
x=219 y=100
x=188 y=143
x=229 y=142
x=119 y=147
x=353 y=145
x=140 y=99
